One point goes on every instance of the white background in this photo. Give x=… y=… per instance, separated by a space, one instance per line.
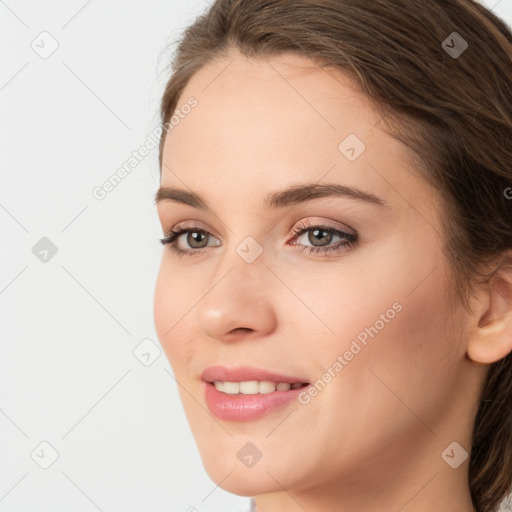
x=69 y=326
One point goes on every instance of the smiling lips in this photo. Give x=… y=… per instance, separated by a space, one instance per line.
x=247 y=393
x=246 y=373
x=253 y=387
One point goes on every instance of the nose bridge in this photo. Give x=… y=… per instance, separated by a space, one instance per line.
x=244 y=267
x=239 y=295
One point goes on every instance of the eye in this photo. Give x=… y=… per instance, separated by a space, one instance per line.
x=323 y=234
x=319 y=233
x=195 y=238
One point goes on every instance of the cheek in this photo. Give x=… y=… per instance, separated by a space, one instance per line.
x=170 y=309
x=400 y=376
x=405 y=353
x=162 y=304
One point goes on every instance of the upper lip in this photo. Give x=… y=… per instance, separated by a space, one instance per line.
x=246 y=373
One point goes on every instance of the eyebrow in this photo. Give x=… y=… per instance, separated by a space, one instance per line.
x=294 y=195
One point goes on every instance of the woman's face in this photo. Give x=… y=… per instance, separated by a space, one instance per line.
x=372 y=324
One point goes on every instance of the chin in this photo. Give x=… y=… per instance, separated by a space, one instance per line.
x=246 y=482
x=243 y=481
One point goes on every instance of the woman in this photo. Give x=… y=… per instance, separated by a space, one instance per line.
x=335 y=291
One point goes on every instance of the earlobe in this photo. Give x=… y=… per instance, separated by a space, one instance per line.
x=491 y=338
x=491 y=346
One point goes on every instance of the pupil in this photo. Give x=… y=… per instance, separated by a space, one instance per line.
x=194 y=235
x=316 y=231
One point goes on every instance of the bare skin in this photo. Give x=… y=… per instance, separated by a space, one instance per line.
x=372 y=438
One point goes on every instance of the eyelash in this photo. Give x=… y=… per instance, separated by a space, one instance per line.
x=171 y=237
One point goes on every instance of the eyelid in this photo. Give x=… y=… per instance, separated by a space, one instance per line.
x=332 y=224
x=194 y=224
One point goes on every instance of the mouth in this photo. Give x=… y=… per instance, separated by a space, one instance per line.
x=254 y=387
x=247 y=393
x=250 y=379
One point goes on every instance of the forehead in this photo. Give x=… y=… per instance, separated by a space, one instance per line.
x=274 y=100
x=265 y=123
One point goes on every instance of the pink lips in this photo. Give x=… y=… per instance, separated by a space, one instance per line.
x=242 y=407
x=244 y=373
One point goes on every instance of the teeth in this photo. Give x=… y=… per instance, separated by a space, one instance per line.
x=267 y=386
x=253 y=387
x=250 y=387
x=231 y=388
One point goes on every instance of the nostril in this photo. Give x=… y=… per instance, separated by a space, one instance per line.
x=243 y=329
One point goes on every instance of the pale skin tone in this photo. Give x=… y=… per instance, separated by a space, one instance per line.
x=372 y=439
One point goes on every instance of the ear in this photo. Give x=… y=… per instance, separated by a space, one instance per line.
x=491 y=336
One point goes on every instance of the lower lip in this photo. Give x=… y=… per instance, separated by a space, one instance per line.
x=242 y=407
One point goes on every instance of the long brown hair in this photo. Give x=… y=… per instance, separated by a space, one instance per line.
x=447 y=96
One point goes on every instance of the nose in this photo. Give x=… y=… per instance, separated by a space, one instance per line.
x=237 y=303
